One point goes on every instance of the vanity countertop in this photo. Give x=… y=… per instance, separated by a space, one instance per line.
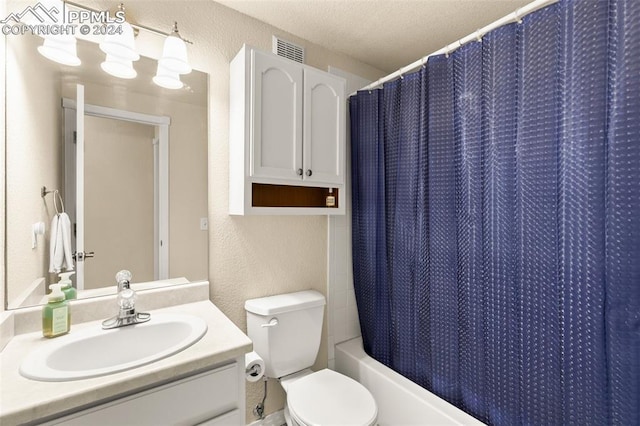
x=24 y=400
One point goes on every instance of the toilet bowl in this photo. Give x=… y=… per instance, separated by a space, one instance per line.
x=286 y=331
x=328 y=398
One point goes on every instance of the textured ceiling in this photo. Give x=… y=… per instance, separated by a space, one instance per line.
x=386 y=34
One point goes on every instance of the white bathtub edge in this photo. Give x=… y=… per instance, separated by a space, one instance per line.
x=400 y=401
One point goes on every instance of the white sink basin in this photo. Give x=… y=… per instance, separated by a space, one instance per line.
x=94 y=352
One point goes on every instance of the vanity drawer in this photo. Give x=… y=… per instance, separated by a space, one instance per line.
x=196 y=399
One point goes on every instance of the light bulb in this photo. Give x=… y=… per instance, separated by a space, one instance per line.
x=174 y=53
x=61 y=49
x=121 y=45
x=167 y=78
x=118 y=67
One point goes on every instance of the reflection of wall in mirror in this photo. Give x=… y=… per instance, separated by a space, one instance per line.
x=34 y=159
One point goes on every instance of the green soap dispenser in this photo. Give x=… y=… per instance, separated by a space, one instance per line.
x=56 y=317
x=67 y=286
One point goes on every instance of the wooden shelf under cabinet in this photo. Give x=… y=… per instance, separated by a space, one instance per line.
x=264 y=195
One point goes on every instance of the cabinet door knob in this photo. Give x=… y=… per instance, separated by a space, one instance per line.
x=309 y=172
x=299 y=172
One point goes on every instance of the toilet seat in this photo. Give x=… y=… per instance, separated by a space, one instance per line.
x=329 y=398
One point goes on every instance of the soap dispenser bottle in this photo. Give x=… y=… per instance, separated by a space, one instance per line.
x=56 y=318
x=67 y=286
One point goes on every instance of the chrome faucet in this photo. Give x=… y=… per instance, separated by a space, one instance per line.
x=127 y=302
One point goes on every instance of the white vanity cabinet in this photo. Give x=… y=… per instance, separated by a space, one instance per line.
x=287 y=128
x=214 y=397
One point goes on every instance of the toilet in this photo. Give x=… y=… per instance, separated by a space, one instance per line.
x=286 y=330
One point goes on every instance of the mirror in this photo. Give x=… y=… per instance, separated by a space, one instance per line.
x=123 y=173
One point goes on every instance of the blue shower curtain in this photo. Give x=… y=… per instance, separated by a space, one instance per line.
x=496 y=219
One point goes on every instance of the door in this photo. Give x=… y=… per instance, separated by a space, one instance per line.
x=78 y=224
x=324 y=128
x=276 y=108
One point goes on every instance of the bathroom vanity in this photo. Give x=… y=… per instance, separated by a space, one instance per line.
x=202 y=384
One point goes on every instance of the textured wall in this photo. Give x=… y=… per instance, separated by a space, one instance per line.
x=3 y=288
x=35 y=94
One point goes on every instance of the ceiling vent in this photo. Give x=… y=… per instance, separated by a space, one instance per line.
x=288 y=50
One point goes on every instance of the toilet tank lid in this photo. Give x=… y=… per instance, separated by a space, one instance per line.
x=272 y=305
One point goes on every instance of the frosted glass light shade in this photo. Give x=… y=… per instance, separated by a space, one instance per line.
x=174 y=55
x=121 y=45
x=167 y=78
x=118 y=67
x=61 y=49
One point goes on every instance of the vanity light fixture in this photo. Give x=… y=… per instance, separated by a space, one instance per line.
x=173 y=62
x=60 y=48
x=118 y=67
x=120 y=51
x=167 y=78
x=174 y=54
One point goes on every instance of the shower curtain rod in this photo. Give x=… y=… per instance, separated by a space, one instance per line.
x=476 y=36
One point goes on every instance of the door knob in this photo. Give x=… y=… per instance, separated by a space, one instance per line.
x=81 y=256
x=309 y=172
x=299 y=171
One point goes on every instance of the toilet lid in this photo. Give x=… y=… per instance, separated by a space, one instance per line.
x=330 y=398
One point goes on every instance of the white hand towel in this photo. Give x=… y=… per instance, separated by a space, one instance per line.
x=56 y=253
x=60 y=250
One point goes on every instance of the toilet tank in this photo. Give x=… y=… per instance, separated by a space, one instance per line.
x=286 y=330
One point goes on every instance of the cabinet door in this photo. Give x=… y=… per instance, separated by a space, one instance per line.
x=184 y=402
x=324 y=127
x=276 y=148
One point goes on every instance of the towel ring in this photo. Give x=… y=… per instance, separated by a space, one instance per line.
x=57 y=197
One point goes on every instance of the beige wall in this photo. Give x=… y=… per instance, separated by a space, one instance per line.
x=118 y=200
x=3 y=289
x=248 y=256
x=35 y=93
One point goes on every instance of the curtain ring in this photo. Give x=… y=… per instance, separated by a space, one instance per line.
x=424 y=62
x=478 y=36
x=518 y=17
x=447 y=51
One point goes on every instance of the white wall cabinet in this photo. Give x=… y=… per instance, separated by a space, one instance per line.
x=287 y=128
x=214 y=397
x=276 y=108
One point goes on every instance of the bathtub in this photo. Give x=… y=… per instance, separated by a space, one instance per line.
x=400 y=401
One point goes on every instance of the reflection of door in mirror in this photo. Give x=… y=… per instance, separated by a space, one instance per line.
x=118 y=194
x=118 y=180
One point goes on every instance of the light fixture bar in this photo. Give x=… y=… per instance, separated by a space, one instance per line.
x=135 y=26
